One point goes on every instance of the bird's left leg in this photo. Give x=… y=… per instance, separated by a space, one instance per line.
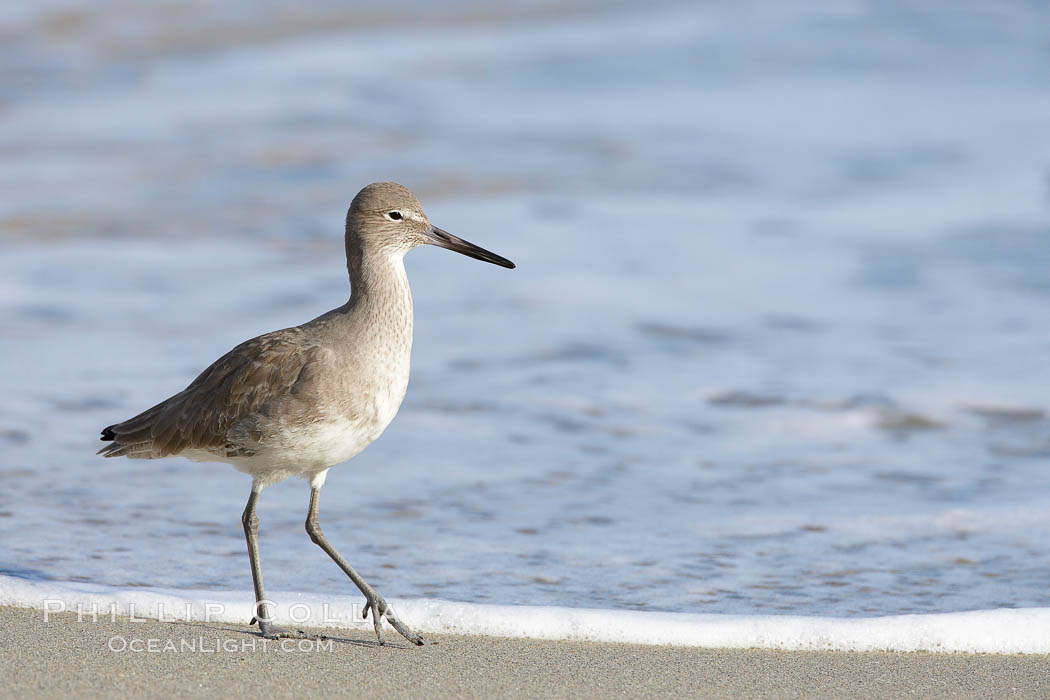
x=262 y=607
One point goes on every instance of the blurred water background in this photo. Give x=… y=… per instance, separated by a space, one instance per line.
x=778 y=340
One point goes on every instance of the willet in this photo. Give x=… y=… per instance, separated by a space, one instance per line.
x=298 y=401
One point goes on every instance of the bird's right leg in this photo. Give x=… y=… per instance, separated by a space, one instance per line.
x=373 y=601
x=262 y=607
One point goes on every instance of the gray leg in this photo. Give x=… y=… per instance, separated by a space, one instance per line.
x=374 y=601
x=262 y=608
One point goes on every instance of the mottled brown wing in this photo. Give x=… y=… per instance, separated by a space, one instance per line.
x=235 y=386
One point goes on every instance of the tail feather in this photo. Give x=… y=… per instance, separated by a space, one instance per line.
x=134 y=437
x=136 y=450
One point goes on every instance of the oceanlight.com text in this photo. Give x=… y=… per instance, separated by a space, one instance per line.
x=214 y=645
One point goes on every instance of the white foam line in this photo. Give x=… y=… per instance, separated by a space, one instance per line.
x=1003 y=631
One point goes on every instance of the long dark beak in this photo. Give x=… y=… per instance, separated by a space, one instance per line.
x=445 y=239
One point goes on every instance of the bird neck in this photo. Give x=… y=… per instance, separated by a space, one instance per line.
x=379 y=284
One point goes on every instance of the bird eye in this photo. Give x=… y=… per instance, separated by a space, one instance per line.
x=394 y=215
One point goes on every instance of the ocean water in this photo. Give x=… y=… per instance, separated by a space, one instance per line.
x=777 y=344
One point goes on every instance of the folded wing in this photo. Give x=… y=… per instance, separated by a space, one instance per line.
x=238 y=385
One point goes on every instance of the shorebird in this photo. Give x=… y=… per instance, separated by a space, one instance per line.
x=298 y=401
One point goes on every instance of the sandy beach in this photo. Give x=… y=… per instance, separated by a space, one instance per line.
x=62 y=657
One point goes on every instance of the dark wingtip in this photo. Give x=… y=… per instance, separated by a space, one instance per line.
x=108 y=434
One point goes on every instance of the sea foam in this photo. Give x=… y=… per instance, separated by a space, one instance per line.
x=1002 y=631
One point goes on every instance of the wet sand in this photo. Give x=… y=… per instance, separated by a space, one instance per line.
x=62 y=657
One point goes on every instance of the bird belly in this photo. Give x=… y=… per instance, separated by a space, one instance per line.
x=314 y=446
x=308 y=442
x=292 y=449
